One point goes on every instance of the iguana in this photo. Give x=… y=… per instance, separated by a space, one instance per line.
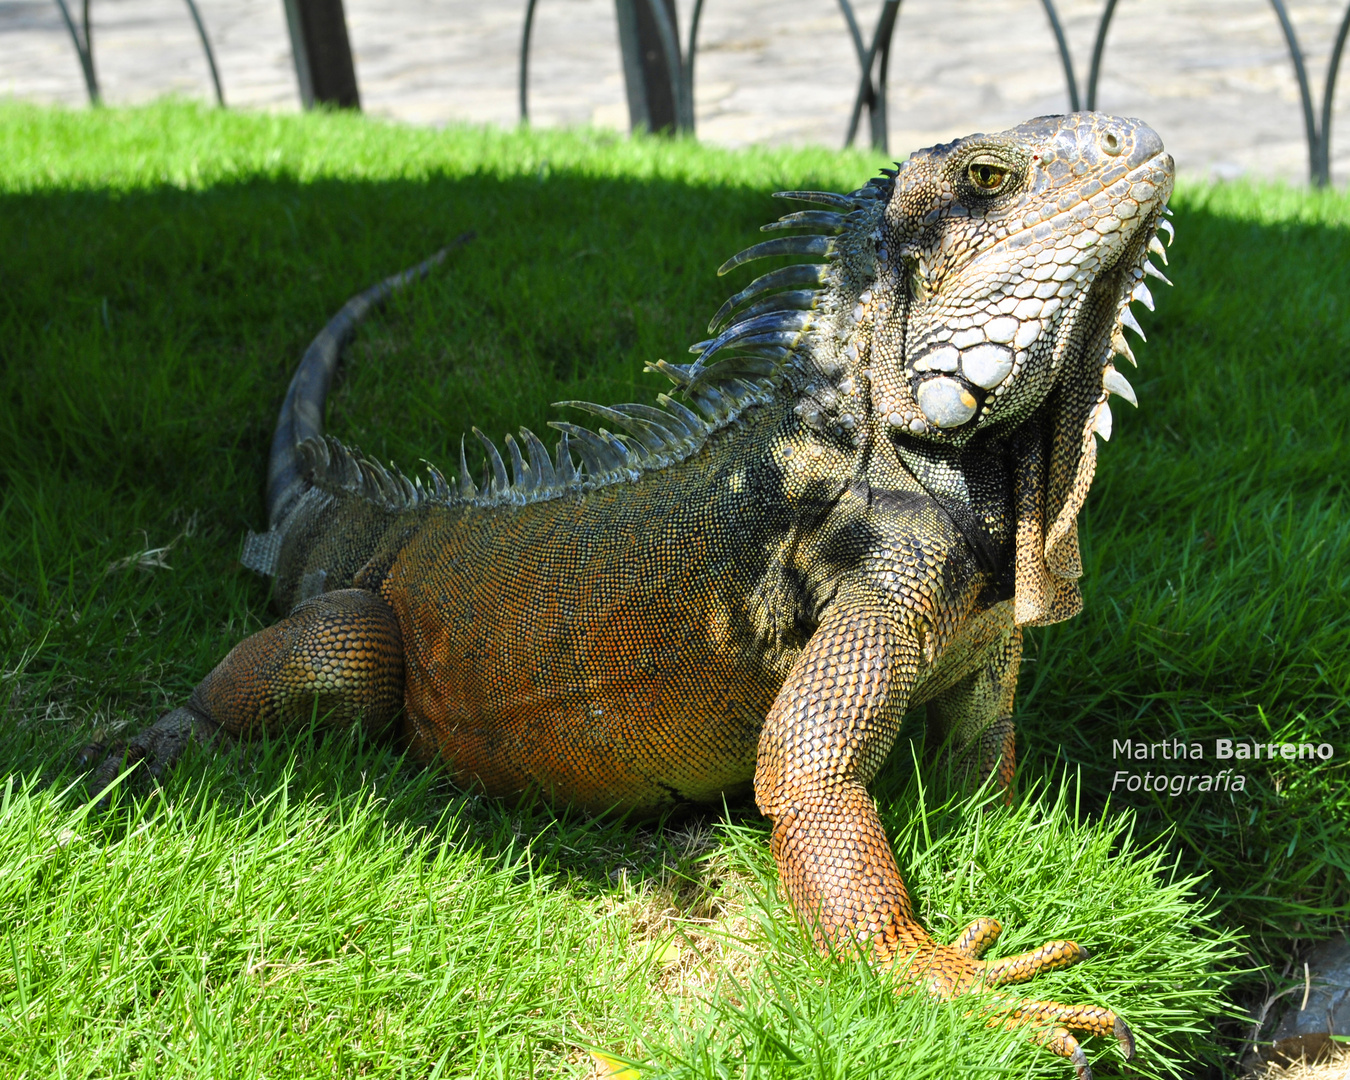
x=870 y=486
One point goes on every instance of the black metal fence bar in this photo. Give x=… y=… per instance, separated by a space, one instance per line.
x=1098 y=47
x=662 y=13
x=210 y=56
x=523 y=81
x=323 y=53
x=689 y=59
x=1305 y=95
x=871 y=94
x=84 y=45
x=1062 y=43
x=1336 y=52
x=652 y=66
x=853 y=29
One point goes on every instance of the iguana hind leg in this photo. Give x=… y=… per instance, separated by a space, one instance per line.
x=824 y=739
x=338 y=656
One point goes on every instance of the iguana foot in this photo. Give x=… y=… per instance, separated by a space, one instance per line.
x=338 y=657
x=979 y=935
x=158 y=747
x=1089 y=1019
x=956 y=970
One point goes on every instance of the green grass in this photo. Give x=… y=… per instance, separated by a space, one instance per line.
x=270 y=914
x=282 y=911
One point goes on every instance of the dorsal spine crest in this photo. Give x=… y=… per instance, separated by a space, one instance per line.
x=790 y=337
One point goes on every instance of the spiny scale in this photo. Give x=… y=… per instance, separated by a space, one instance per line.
x=1153 y=272
x=786 y=245
x=467 y=489
x=781 y=328
x=825 y=198
x=813 y=275
x=825 y=219
x=1114 y=381
x=1121 y=347
x=1101 y=421
x=499 y=483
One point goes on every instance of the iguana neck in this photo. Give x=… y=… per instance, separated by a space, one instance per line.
x=971 y=484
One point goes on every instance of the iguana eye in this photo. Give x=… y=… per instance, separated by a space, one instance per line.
x=986 y=176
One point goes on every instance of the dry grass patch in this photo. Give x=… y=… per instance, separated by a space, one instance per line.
x=1335 y=1067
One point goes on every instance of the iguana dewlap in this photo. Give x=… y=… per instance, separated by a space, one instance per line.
x=870 y=484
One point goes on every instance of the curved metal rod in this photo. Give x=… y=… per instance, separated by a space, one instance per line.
x=1336 y=51
x=1098 y=47
x=689 y=58
x=85 y=52
x=880 y=121
x=1309 y=123
x=670 y=45
x=88 y=36
x=854 y=30
x=210 y=56
x=1063 y=44
x=867 y=93
x=525 y=61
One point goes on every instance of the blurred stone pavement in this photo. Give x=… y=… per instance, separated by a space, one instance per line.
x=1212 y=76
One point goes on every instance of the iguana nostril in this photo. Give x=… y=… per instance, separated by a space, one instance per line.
x=1112 y=144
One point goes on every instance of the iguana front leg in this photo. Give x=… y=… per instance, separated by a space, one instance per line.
x=340 y=653
x=826 y=736
x=971 y=722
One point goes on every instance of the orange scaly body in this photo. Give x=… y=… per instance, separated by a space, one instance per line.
x=609 y=668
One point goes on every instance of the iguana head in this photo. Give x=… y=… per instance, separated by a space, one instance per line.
x=1001 y=264
x=975 y=297
x=961 y=289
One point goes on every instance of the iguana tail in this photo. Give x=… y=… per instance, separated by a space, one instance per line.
x=301 y=415
x=298 y=443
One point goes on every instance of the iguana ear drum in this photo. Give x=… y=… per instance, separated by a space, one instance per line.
x=948 y=402
x=945 y=402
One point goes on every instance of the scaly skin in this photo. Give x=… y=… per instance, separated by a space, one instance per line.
x=878 y=489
